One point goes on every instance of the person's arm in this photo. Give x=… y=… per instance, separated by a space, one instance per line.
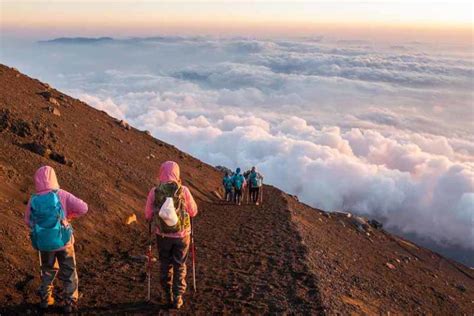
x=74 y=206
x=191 y=206
x=149 y=204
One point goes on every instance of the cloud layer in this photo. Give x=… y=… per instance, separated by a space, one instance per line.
x=384 y=131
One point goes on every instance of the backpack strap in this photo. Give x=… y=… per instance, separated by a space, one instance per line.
x=179 y=194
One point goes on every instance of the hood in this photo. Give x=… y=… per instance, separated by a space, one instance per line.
x=169 y=172
x=45 y=179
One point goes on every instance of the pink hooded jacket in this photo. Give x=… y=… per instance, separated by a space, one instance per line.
x=45 y=182
x=169 y=172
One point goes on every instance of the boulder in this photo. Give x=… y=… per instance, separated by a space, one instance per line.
x=53 y=101
x=390 y=266
x=375 y=224
x=37 y=148
x=60 y=158
x=360 y=223
x=54 y=110
x=131 y=219
x=21 y=128
x=124 y=124
x=45 y=94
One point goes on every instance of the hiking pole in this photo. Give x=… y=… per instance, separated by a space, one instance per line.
x=149 y=261
x=193 y=256
x=41 y=263
x=261 y=195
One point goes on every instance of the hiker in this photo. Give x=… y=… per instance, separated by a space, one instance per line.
x=52 y=207
x=239 y=183
x=173 y=237
x=228 y=187
x=255 y=180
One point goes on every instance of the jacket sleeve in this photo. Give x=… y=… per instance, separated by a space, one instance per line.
x=149 y=204
x=191 y=206
x=27 y=213
x=74 y=206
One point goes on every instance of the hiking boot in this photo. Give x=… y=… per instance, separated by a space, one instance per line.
x=47 y=302
x=69 y=307
x=178 y=302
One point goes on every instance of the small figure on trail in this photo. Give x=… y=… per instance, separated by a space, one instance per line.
x=239 y=184
x=228 y=187
x=169 y=207
x=47 y=214
x=255 y=183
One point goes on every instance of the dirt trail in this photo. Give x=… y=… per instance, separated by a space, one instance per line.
x=251 y=260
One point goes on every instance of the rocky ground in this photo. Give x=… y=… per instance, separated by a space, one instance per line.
x=282 y=257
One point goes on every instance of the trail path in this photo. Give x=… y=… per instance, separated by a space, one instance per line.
x=251 y=260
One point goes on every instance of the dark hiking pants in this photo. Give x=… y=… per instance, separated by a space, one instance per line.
x=228 y=195
x=254 y=192
x=173 y=253
x=67 y=273
x=237 y=195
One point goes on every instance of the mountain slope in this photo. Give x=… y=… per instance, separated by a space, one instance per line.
x=277 y=258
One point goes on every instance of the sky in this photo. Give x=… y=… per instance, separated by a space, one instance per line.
x=144 y=18
x=374 y=94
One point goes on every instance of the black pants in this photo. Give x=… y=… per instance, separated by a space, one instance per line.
x=254 y=192
x=237 y=195
x=173 y=253
x=228 y=195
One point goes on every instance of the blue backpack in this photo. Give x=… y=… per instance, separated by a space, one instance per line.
x=238 y=181
x=47 y=230
x=227 y=181
x=253 y=180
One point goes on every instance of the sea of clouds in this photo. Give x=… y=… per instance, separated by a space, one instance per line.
x=383 y=130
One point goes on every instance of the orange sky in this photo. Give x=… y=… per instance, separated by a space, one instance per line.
x=344 y=17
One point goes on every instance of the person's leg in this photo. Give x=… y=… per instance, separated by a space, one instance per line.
x=165 y=245
x=238 y=196
x=179 y=255
x=68 y=275
x=48 y=274
x=257 y=193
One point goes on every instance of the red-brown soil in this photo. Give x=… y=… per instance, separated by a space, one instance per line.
x=279 y=258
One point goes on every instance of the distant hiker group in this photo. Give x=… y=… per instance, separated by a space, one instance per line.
x=237 y=185
x=169 y=210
